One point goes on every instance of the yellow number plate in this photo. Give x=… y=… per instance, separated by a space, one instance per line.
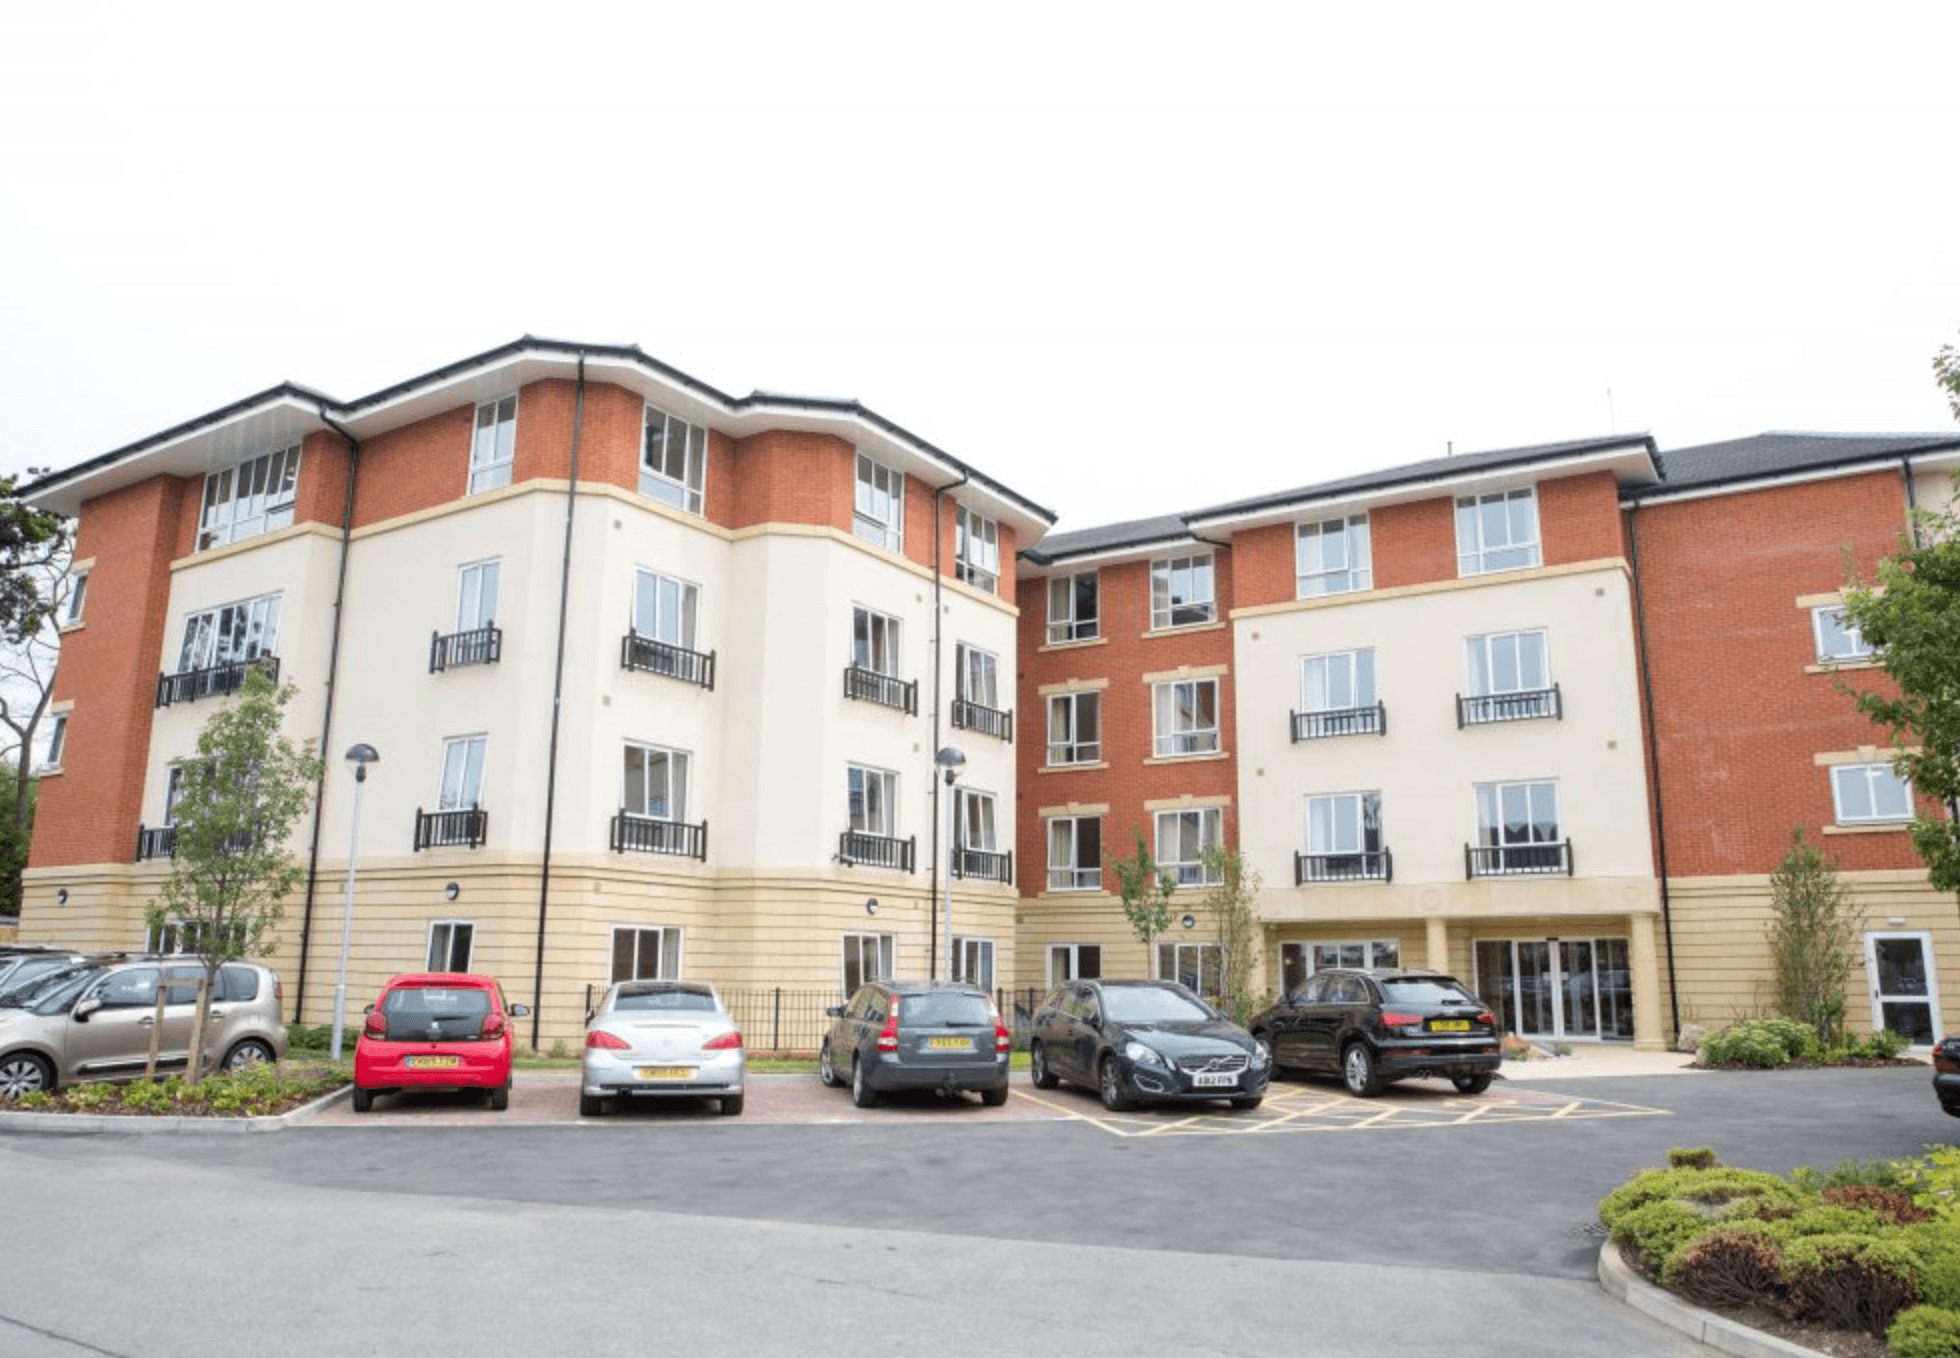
x=433 y=1062
x=665 y=1072
x=950 y=1044
x=1449 y=1025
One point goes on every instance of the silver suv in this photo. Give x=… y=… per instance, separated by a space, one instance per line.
x=92 y=1021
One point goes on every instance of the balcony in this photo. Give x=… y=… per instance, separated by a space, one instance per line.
x=480 y=646
x=855 y=849
x=664 y=658
x=190 y=685
x=647 y=834
x=1375 y=865
x=981 y=865
x=986 y=721
x=1517 y=860
x=1488 y=709
x=156 y=841
x=869 y=686
x=465 y=829
x=1341 y=721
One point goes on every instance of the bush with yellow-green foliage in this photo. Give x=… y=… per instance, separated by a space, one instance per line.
x=1925 y=1332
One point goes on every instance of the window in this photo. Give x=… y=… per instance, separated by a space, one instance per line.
x=1183 y=837
x=973 y=961
x=1331 y=557
x=1299 y=960
x=867 y=957
x=874 y=802
x=1181 y=592
x=1074 y=962
x=655 y=783
x=1339 y=681
x=1344 y=838
x=494 y=445
x=1198 y=967
x=236 y=632
x=462 y=773
x=77 y=592
x=1837 y=636
x=57 y=741
x=664 y=608
x=450 y=942
x=977 y=675
x=173 y=792
x=1073 y=607
x=673 y=460
x=1075 y=728
x=1868 y=793
x=874 y=642
x=1075 y=853
x=1497 y=532
x=1186 y=716
x=1518 y=828
x=976 y=820
x=976 y=549
x=252 y=498
x=1510 y=678
x=476 y=595
x=879 y=509
x=646 y=953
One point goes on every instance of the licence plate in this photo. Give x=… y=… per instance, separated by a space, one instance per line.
x=432 y=1062
x=949 y=1044
x=665 y=1072
x=1449 y=1025
x=1214 y=1079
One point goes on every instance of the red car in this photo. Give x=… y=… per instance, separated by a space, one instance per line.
x=436 y=1030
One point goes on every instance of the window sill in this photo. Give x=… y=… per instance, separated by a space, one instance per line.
x=1073 y=768
x=1215 y=625
x=1890 y=827
x=1072 y=891
x=1073 y=645
x=1834 y=666
x=1207 y=757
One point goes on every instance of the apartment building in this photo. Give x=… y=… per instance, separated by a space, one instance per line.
x=657 y=677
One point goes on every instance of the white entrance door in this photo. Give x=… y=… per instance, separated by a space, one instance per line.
x=1905 y=993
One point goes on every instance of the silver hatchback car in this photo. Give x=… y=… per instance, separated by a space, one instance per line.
x=93 y=1020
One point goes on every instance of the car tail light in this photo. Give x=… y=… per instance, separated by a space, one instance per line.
x=278 y=992
x=730 y=1041
x=1391 y=1019
x=601 y=1040
x=376 y=1025
x=888 y=1035
x=493 y=1025
x=1002 y=1038
x=1487 y=1019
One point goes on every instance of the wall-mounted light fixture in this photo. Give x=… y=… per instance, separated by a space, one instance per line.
x=61 y=896
x=871 y=905
x=451 y=892
x=1189 y=921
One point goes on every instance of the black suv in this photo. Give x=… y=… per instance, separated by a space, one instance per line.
x=1946 y=1074
x=1371 y=1027
x=940 y=1035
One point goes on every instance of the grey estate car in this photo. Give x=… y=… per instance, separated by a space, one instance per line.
x=916 y=1035
x=92 y=1021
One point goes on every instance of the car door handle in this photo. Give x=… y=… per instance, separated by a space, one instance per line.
x=147 y=1021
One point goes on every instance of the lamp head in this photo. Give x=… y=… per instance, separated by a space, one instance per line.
x=359 y=757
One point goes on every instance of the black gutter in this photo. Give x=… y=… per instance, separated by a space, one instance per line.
x=938 y=660
x=1654 y=759
x=557 y=706
x=326 y=717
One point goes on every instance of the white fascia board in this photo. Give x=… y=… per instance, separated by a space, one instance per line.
x=1110 y=556
x=1837 y=473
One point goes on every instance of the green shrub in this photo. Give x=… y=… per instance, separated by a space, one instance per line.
x=1819 y=1219
x=1925 y=1332
x=1941 y=1282
x=1763 y=1043
x=90 y=1097
x=1692 y=1157
x=1883 y=1045
x=1658 y=1229
x=1893 y=1206
x=1739 y=1265
x=1850 y=1173
x=1934 y=1182
x=1853 y=1282
x=1710 y=1187
x=153 y=1097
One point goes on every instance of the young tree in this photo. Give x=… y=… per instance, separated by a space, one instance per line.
x=1229 y=900
x=27 y=666
x=238 y=803
x=1146 y=891
x=1812 y=933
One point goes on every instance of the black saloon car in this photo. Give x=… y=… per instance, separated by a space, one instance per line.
x=1372 y=1027
x=1144 y=1042
x=894 y=1035
x=1946 y=1074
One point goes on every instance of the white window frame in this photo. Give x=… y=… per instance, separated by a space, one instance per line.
x=249 y=499
x=1365 y=952
x=677 y=780
x=976 y=676
x=1066 y=746
x=448 y=930
x=1065 y=620
x=1332 y=556
x=666 y=940
x=57 y=741
x=493 y=444
x=873 y=956
x=1073 y=876
x=1330 y=673
x=685 y=491
x=1167 y=961
x=1176 y=721
x=976 y=820
x=1183 y=836
x=976 y=549
x=871 y=797
x=1836 y=637
x=77 y=593
x=1855 y=783
x=1483 y=656
x=666 y=608
x=876 y=641
x=1196 y=605
x=460 y=785
x=246 y=629
x=878 y=506
x=478 y=594
x=1480 y=551
x=1490 y=798
x=1070 y=956
x=1338 y=823
x=973 y=961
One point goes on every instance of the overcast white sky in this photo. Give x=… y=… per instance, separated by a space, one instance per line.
x=1127 y=259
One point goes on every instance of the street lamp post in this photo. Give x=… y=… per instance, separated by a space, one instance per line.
x=358 y=759
x=951 y=759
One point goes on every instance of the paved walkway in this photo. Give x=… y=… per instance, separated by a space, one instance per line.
x=1589 y=1059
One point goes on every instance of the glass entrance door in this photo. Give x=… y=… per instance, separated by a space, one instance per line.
x=1556 y=988
x=1899 y=968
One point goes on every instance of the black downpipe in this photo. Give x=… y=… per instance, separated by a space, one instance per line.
x=557 y=704
x=1912 y=501
x=1654 y=759
x=938 y=658
x=326 y=719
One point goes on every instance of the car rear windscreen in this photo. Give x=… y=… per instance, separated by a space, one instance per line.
x=952 y=1010
x=1424 y=990
x=665 y=999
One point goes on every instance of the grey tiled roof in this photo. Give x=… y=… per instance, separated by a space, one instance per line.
x=1782 y=454
x=1110 y=537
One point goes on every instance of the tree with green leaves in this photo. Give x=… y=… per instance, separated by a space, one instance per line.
x=29 y=539
x=1146 y=890
x=1229 y=901
x=239 y=800
x=27 y=669
x=1813 y=936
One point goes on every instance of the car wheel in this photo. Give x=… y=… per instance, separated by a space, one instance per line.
x=363 y=1100
x=1110 y=1079
x=731 y=1105
x=24 y=1073
x=862 y=1094
x=591 y=1106
x=500 y=1098
x=994 y=1098
x=248 y=1053
x=1358 y=1071
x=1245 y=1103
x=1471 y=1084
x=1044 y=1078
x=827 y=1066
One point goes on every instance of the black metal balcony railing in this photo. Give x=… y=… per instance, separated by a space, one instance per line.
x=156 y=841
x=1517 y=860
x=648 y=834
x=982 y=865
x=1530 y=705
x=987 y=721
x=663 y=657
x=869 y=686
x=479 y=646
x=451 y=829
x=1373 y=865
x=1340 y=721
x=857 y=849
x=188 y=686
